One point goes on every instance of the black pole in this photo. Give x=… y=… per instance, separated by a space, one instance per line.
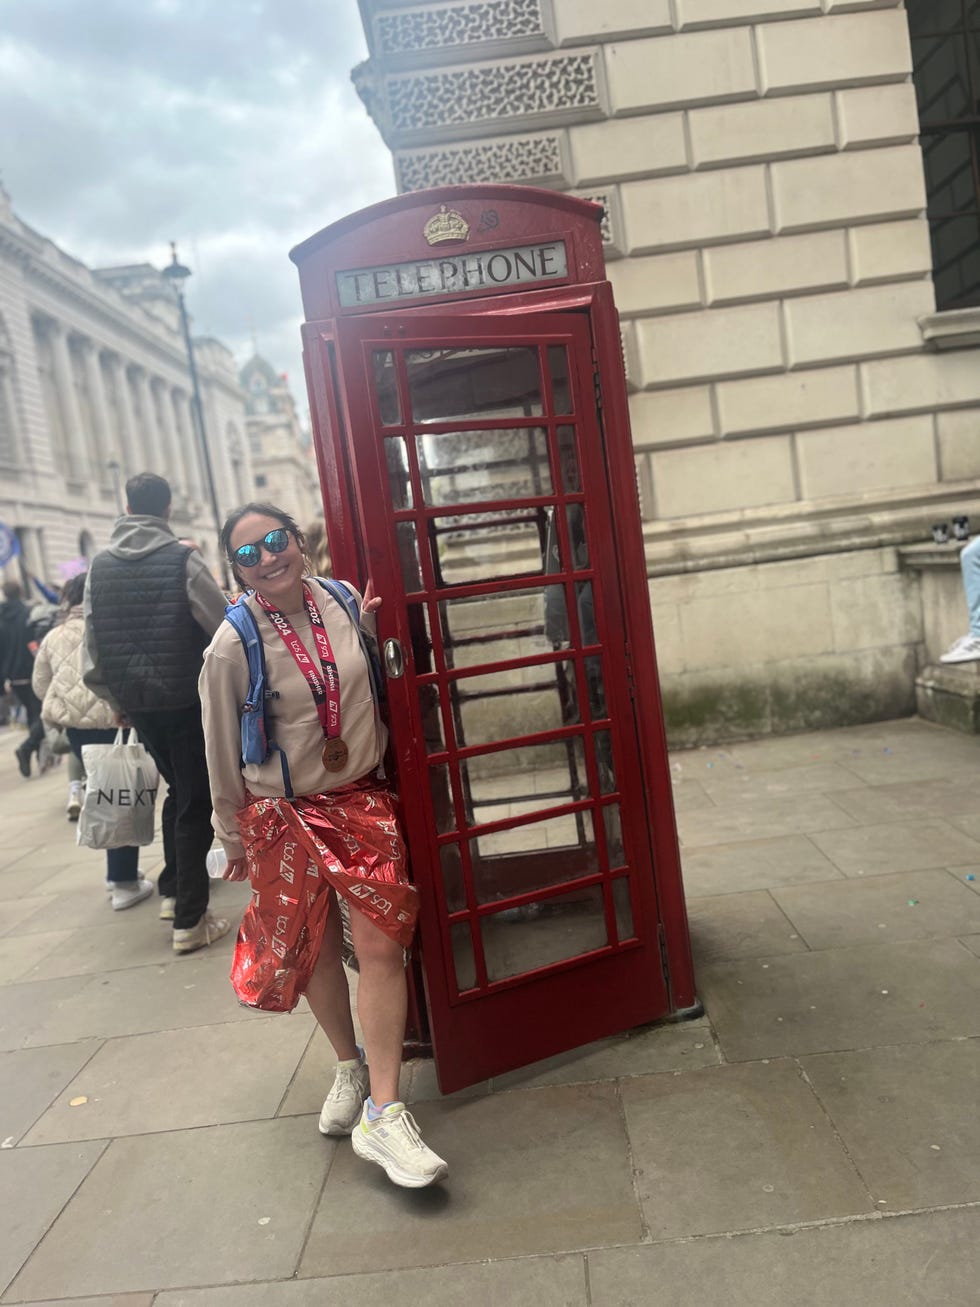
x=197 y=413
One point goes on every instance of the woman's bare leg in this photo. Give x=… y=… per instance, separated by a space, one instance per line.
x=327 y=992
x=382 y=1004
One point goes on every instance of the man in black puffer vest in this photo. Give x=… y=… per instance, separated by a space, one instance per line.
x=151 y=608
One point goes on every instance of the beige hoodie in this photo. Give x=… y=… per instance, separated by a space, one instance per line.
x=291 y=714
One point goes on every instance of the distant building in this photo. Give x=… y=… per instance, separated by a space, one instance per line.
x=94 y=386
x=283 y=463
x=792 y=230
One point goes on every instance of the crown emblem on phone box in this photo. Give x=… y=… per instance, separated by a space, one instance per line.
x=446 y=225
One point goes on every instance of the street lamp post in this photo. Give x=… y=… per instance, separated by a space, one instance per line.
x=176 y=274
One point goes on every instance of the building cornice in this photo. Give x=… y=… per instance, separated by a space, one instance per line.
x=107 y=314
x=101 y=304
x=800 y=530
x=952 y=329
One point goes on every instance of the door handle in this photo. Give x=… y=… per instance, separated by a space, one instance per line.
x=394 y=660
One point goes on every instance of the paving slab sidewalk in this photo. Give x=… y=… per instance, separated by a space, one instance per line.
x=813 y=1138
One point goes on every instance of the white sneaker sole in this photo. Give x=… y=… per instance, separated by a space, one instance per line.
x=197 y=942
x=131 y=900
x=364 y=1148
x=338 y=1131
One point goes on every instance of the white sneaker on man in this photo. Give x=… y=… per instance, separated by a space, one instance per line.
x=342 y=1106
x=207 y=930
x=126 y=893
x=168 y=908
x=965 y=650
x=75 y=792
x=394 y=1143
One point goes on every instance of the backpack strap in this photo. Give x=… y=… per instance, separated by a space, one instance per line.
x=241 y=617
x=342 y=593
x=257 y=742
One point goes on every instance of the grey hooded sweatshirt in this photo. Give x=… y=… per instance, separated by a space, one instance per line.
x=153 y=549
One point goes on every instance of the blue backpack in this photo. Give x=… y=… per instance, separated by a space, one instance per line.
x=257 y=743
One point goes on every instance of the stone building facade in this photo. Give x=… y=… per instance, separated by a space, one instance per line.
x=94 y=386
x=283 y=462
x=800 y=410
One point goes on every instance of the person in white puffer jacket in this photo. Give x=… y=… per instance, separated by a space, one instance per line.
x=68 y=704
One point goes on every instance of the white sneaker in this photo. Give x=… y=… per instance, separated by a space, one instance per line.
x=126 y=893
x=342 y=1106
x=207 y=930
x=74 y=809
x=965 y=650
x=168 y=908
x=394 y=1142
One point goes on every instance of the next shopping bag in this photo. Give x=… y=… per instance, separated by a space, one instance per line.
x=119 y=795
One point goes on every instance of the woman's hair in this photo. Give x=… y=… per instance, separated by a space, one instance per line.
x=74 y=590
x=261 y=509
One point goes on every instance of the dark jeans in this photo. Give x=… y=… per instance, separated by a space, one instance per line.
x=175 y=740
x=35 y=727
x=121 y=864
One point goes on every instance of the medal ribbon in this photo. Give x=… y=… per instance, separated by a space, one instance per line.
x=325 y=688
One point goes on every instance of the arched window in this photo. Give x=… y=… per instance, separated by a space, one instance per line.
x=86 y=545
x=946 y=72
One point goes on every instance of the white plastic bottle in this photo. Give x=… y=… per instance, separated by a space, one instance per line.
x=216 y=862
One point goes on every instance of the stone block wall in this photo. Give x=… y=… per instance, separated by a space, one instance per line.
x=817 y=642
x=767 y=244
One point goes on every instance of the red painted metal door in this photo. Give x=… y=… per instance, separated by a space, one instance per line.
x=481 y=480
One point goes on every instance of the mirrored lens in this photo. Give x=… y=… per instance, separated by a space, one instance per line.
x=276 y=541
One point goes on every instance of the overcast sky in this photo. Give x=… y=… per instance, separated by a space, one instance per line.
x=228 y=125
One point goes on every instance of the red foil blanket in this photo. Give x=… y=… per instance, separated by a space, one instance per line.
x=297 y=851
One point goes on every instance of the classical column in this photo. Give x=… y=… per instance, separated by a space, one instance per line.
x=171 y=445
x=154 y=448
x=129 y=447
x=71 y=412
x=222 y=454
x=11 y=451
x=103 y=436
x=189 y=447
x=218 y=448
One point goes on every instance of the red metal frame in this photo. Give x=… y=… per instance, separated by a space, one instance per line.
x=534 y=1014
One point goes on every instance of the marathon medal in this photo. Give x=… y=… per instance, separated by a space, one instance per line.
x=334 y=754
x=324 y=684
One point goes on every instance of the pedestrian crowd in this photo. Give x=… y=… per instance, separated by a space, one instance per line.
x=264 y=717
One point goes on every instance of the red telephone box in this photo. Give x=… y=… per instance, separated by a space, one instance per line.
x=472 y=431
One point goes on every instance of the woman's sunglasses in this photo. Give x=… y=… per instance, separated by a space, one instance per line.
x=275 y=542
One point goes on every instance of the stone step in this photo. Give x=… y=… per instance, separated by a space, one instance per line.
x=950 y=695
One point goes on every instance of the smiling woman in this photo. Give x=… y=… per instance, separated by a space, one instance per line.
x=311 y=823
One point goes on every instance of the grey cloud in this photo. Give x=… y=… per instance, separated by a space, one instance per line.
x=231 y=126
x=220 y=47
